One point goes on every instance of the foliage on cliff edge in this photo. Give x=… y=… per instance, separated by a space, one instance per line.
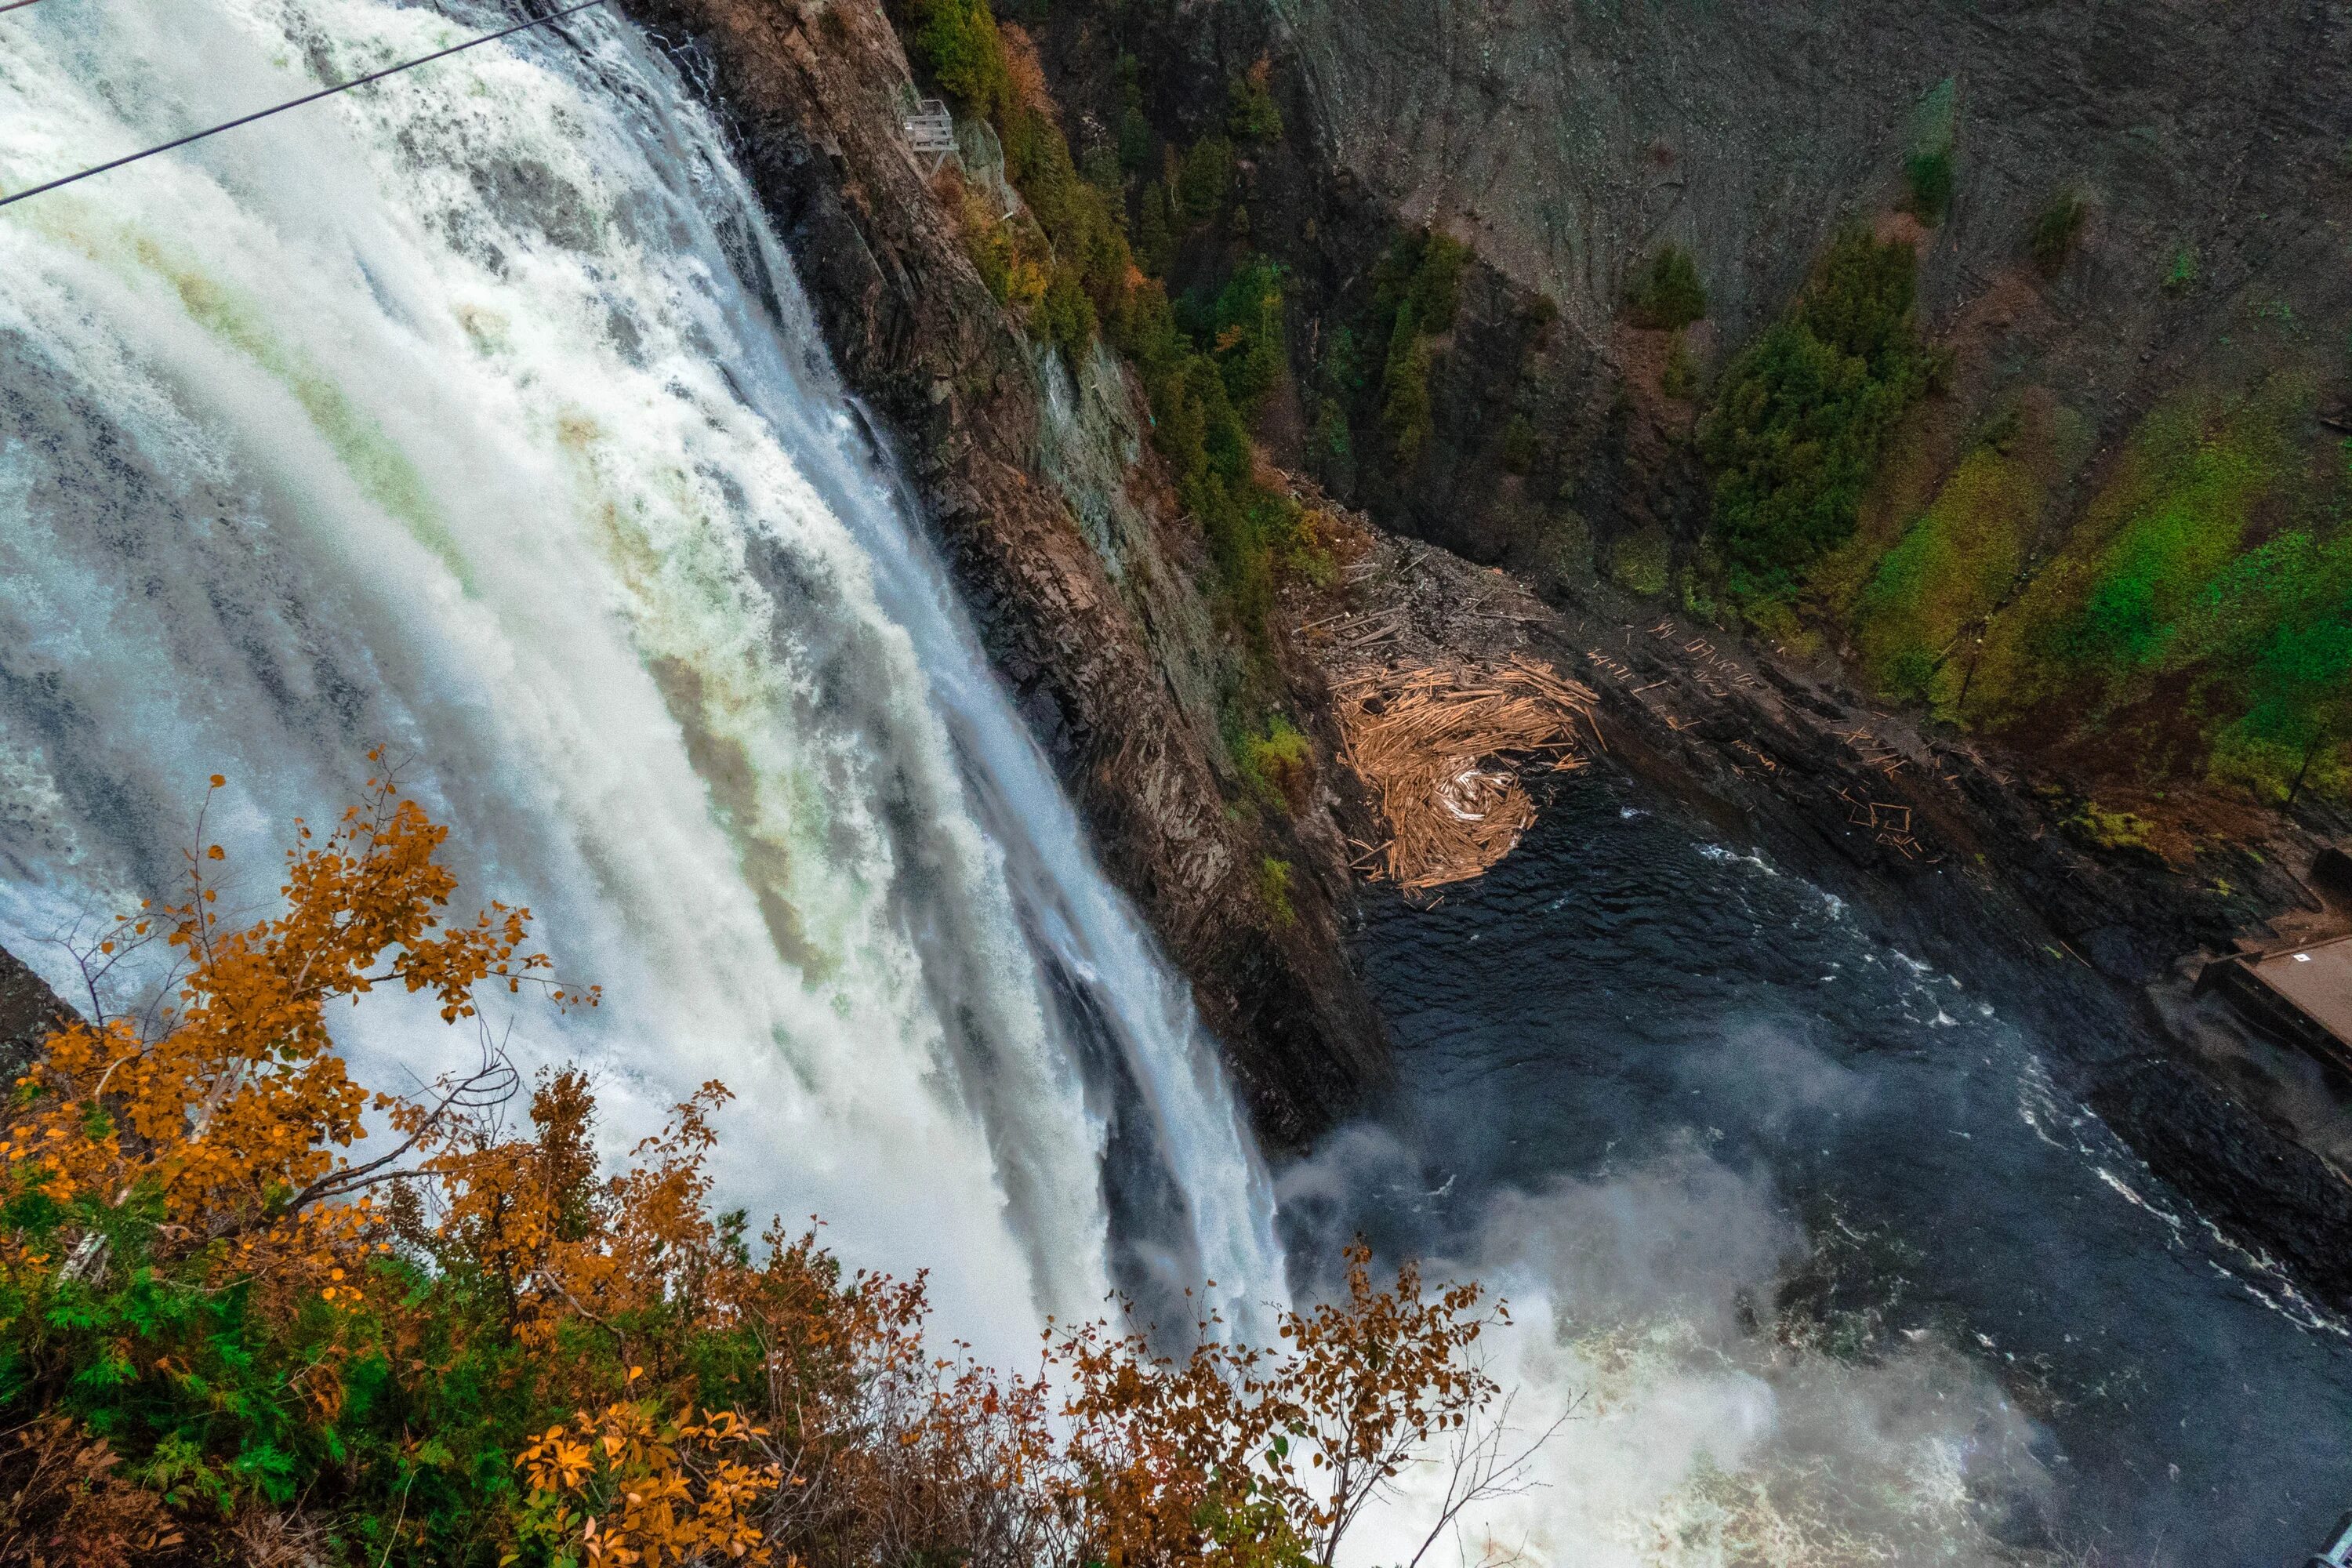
x=1208 y=360
x=227 y=1336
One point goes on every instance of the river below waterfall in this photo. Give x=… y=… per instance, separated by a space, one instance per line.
x=1812 y=1232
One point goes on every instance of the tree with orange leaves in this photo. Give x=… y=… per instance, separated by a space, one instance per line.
x=1248 y=1456
x=221 y=1135
x=221 y=1326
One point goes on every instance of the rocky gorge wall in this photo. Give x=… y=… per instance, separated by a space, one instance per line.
x=1560 y=146
x=1567 y=141
x=2127 y=211
x=1565 y=138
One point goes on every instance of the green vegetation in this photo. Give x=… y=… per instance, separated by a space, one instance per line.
x=2273 y=631
x=1243 y=329
x=1946 y=575
x=2111 y=830
x=1250 y=114
x=1679 y=377
x=2211 y=577
x=1797 y=429
x=1273 y=890
x=1929 y=176
x=2054 y=232
x=1519 y=444
x=959 y=40
x=1201 y=401
x=1667 y=294
x=1011 y=258
x=1333 y=442
x=1929 y=170
x=1641 y=560
x=2183 y=516
x=1279 y=764
x=1203 y=181
x=1158 y=225
x=2181 y=276
x=1416 y=289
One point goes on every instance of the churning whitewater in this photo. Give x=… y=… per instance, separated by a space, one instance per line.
x=477 y=414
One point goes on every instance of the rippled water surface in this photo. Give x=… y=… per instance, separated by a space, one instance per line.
x=1627 y=1009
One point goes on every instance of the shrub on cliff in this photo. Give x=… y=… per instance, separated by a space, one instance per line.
x=222 y=1330
x=1251 y=113
x=1930 y=177
x=1416 y=291
x=1667 y=294
x=1205 y=179
x=958 y=40
x=1280 y=765
x=2055 y=229
x=1796 y=431
x=1243 y=329
x=1928 y=172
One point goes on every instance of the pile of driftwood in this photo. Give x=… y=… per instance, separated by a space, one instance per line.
x=1442 y=749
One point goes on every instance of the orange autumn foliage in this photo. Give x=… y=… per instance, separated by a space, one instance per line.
x=629 y=1486
x=232 y=1117
x=482 y=1346
x=1249 y=1455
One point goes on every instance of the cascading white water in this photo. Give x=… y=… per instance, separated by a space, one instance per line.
x=479 y=414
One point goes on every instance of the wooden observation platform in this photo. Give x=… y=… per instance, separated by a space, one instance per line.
x=930 y=131
x=2300 y=992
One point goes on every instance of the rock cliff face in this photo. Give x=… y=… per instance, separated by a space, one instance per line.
x=1086 y=582
x=2202 y=151
x=1567 y=139
x=29 y=1013
x=1564 y=145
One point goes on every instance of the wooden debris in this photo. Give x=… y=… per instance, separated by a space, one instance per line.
x=1442 y=749
x=1889 y=823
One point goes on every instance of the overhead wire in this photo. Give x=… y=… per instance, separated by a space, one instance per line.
x=289 y=103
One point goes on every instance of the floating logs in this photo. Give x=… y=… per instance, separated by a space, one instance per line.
x=1442 y=748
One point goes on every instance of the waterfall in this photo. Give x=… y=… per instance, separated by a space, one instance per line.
x=478 y=414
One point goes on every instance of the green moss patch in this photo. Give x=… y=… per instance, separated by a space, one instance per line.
x=1946 y=575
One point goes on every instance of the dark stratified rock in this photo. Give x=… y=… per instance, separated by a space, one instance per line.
x=2253 y=1179
x=29 y=1013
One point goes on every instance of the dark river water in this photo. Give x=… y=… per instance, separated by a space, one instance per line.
x=1627 y=1005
